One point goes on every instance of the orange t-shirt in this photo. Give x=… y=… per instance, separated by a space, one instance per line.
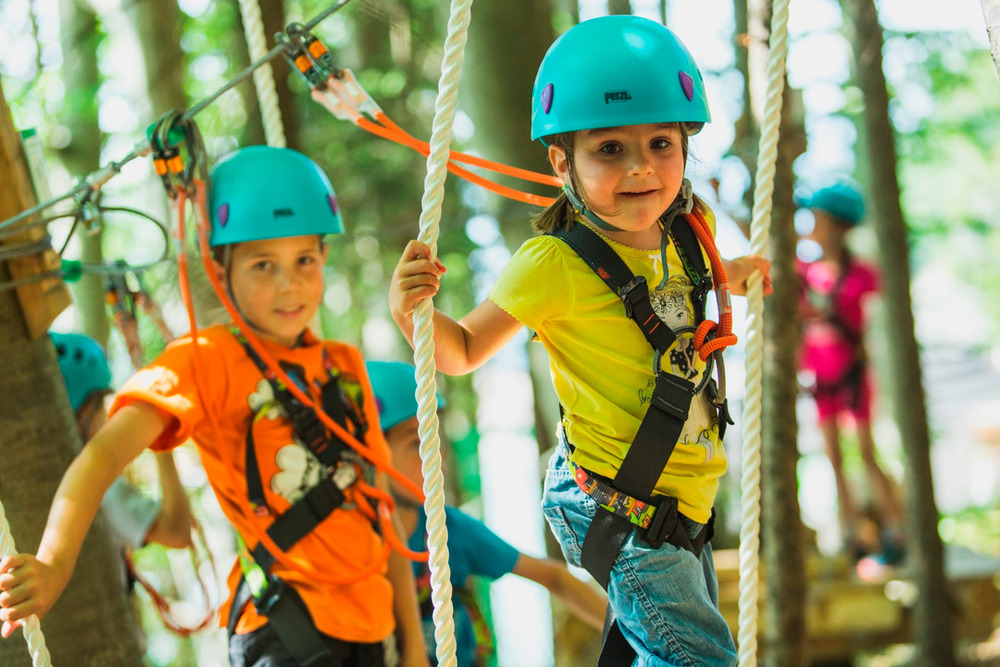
x=232 y=388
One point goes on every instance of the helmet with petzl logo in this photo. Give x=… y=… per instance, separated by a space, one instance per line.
x=262 y=192
x=613 y=71
x=83 y=365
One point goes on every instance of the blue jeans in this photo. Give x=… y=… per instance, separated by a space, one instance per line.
x=666 y=600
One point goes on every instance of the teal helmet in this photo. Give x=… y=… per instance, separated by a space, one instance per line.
x=83 y=365
x=613 y=71
x=841 y=200
x=395 y=387
x=262 y=192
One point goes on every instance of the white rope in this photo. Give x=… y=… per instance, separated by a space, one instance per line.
x=263 y=76
x=430 y=444
x=32 y=628
x=759 y=228
x=991 y=10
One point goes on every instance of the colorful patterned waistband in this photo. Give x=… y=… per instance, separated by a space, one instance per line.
x=636 y=511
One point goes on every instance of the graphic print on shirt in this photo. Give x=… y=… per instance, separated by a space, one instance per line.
x=672 y=305
x=298 y=470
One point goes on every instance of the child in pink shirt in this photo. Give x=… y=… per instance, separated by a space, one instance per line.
x=835 y=290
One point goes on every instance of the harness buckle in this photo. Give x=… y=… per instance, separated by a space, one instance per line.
x=672 y=395
x=634 y=291
x=663 y=523
x=269 y=596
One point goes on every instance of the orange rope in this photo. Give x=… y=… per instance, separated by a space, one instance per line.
x=165 y=607
x=724 y=336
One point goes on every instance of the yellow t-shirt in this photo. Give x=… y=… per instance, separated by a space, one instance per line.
x=602 y=365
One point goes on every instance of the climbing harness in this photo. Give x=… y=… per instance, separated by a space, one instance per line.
x=626 y=503
x=849 y=383
x=271 y=597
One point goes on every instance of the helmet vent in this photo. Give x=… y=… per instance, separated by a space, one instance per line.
x=332 y=201
x=547 y=98
x=223 y=215
x=687 y=85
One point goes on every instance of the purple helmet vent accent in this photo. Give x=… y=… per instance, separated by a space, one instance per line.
x=687 y=85
x=547 y=98
x=223 y=215
x=333 y=203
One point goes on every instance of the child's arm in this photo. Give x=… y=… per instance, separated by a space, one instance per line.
x=405 y=608
x=738 y=271
x=581 y=598
x=32 y=584
x=173 y=524
x=459 y=347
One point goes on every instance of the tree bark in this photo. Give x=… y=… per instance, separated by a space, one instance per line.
x=932 y=615
x=89 y=626
x=82 y=155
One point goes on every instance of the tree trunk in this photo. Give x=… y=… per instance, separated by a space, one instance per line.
x=784 y=634
x=158 y=29
x=782 y=534
x=991 y=10
x=500 y=91
x=91 y=625
x=80 y=75
x=746 y=130
x=619 y=7
x=932 y=617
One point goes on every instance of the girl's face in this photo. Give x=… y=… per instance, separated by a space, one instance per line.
x=277 y=284
x=827 y=231
x=627 y=175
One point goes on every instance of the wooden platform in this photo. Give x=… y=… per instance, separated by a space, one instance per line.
x=846 y=615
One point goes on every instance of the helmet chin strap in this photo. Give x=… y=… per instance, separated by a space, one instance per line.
x=683 y=203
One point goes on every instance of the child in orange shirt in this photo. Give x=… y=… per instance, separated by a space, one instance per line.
x=328 y=601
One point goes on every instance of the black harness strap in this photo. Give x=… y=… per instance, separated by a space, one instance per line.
x=631 y=289
x=661 y=426
x=280 y=603
x=289 y=616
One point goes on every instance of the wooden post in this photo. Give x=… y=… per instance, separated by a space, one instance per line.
x=40 y=300
x=991 y=9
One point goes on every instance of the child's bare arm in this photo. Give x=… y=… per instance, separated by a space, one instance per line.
x=405 y=607
x=581 y=598
x=173 y=524
x=460 y=347
x=32 y=584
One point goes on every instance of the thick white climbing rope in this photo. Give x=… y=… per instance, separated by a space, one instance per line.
x=991 y=10
x=767 y=154
x=263 y=76
x=32 y=628
x=430 y=444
